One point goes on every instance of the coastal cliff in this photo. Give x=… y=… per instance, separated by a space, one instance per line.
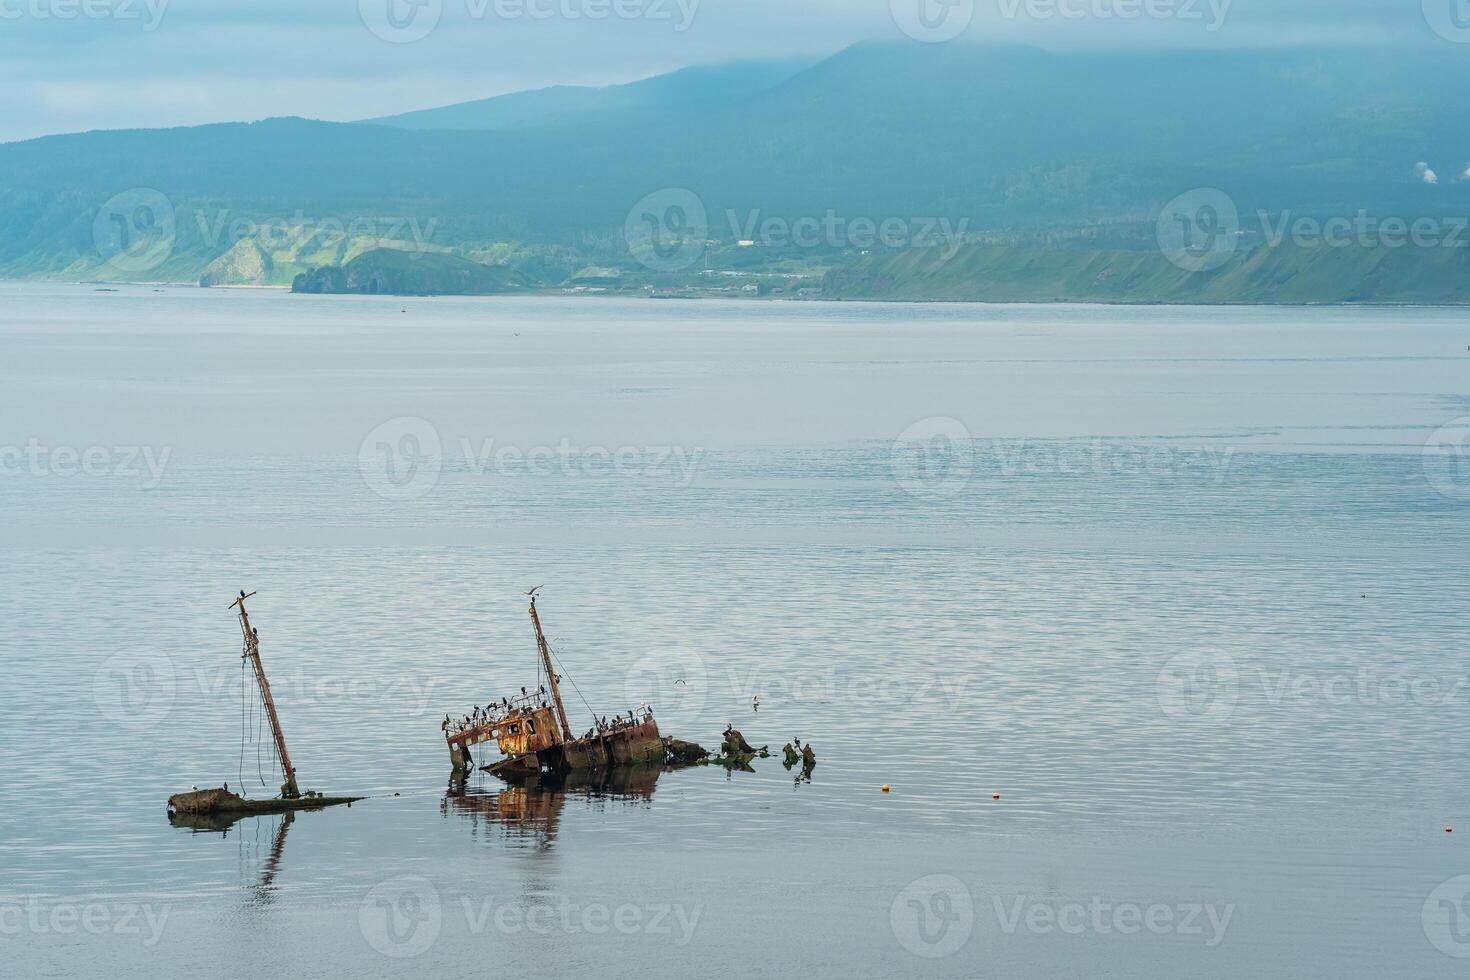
x=390 y=272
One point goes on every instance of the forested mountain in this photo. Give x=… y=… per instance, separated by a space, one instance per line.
x=1012 y=143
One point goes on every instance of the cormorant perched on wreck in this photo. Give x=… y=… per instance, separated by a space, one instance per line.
x=735 y=743
x=535 y=735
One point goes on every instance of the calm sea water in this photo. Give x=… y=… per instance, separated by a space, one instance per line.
x=1184 y=587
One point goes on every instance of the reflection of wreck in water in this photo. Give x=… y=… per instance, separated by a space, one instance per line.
x=531 y=810
x=223 y=823
x=533 y=733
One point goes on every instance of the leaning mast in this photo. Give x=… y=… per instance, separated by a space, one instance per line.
x=561 y=711
x=289 y=790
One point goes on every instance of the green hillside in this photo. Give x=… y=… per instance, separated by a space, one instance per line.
x=276 y=256
x=1288 y=274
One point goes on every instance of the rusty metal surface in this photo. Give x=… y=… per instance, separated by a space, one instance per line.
x=525 y=731
x=532 y=731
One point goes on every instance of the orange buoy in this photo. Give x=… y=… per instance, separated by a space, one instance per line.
x=885 y=787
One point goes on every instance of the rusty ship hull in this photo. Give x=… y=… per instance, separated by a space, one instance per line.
x=534 y=736
x=638 y=744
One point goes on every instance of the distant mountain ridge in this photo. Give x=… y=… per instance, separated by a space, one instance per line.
x=697 y=87
x=1078 y=150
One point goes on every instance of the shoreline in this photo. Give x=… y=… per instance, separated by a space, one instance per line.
x=897 y=301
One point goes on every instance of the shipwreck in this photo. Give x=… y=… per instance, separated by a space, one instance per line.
x=205 y=807
x=534 y=737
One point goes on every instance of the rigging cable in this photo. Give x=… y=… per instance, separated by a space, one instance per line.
x=241 y=772
x=569 y=680
x=259 y=721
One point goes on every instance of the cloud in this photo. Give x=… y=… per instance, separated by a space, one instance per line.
x=248 y=59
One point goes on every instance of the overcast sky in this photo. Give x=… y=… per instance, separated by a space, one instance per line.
x=70 y=65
